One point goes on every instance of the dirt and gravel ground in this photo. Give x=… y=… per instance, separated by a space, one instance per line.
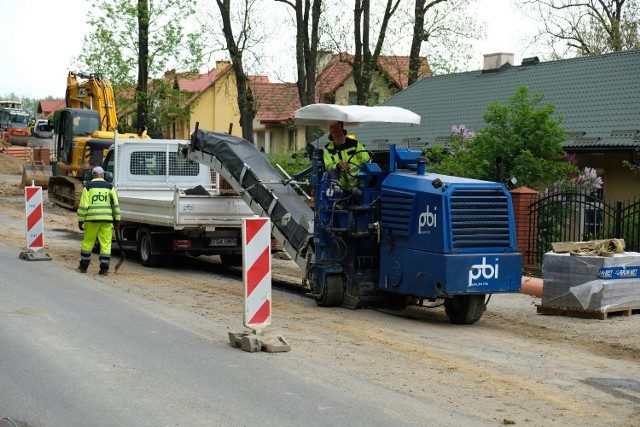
x=512 y=367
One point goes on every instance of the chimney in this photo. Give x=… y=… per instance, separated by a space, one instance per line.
x=323 y=59
x=493 y=61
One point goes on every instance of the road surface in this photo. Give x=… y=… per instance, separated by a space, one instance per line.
x=154 y=342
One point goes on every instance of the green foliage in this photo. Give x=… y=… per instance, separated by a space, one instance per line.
x=112 y=48
x=634 y=167
x=581 y=28
x=172 y=108
x=291 y=163
x=521 y=134
x=112 y=51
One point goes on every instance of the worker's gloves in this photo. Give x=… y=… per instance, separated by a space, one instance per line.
x=81 y=226
x=116 y=226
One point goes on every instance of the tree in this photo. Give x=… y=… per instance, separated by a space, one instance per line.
x=521 y=137
x=445 y=26
x=365 y=62
x=115 y=48
x=236 y=48
x=587 y=27
x=419 y=36
x=306 y=46
x=307 y=40
x=143 y=62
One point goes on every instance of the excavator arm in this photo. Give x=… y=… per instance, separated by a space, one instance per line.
x=92 y=93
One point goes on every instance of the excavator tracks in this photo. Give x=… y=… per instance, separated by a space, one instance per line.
x=65 y=191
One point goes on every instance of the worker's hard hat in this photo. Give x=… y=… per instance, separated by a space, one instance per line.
x=97 y=171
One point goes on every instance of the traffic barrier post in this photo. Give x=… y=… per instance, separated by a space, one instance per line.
x=256 y=268
x=34 y=225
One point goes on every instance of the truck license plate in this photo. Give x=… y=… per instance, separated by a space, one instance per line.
x=223 y=241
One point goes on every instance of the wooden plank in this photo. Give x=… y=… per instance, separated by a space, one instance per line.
x=586 y=314
x=563 y=247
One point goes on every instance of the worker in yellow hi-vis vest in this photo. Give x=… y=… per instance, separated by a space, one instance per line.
x=98 y=214
x=343 y=156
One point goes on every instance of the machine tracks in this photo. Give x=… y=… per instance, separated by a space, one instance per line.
x=65 y=191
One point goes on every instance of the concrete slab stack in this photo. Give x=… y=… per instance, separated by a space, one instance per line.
x=591 y=283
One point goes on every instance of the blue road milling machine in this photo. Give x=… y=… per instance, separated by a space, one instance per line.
x=401 y=237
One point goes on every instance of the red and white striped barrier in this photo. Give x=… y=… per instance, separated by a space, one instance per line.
x=34 y=224
x=256 y=268
x=35 y=227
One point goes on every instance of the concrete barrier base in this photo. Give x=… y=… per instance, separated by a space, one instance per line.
x=254 y=343
x=35 y=256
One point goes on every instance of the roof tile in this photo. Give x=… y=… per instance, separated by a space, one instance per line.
x=594 y=94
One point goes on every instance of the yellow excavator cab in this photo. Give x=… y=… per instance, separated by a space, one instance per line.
x=84 y=132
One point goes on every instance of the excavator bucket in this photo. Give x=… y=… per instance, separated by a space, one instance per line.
x=36 y=173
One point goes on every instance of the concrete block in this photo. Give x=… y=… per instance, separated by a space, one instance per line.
x=275 y=344
x=251 y=343
x=35 y=256
x=235 y=338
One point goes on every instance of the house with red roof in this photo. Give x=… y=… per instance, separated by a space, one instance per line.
x=276 y=103
x=212 y=99
x=47 y=107
x=335 y=83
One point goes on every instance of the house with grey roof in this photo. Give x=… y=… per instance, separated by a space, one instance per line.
x=598 y=96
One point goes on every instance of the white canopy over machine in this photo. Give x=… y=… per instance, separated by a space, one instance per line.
x=352 y=115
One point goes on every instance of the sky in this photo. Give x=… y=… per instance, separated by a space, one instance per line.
x=40 y=38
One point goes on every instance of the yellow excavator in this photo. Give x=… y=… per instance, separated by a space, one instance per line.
x=84 y=132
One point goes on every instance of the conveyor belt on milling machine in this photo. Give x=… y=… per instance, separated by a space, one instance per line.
x=261 y=187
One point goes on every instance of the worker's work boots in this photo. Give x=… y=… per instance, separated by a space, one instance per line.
x=104 y=269
x=82 y=268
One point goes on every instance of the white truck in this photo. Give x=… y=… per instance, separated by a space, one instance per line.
x=170 y=205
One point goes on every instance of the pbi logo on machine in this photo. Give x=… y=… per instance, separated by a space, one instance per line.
x=427 y=220
x=481 y=274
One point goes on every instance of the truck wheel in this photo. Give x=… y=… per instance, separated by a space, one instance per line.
x=464 y=309
x=231 y=260
x=331 y=296
x=144 y=250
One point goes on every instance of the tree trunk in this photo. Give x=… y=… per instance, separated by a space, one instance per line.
x=365 y=63
x=306 y=50
x=245 y=97
x=143 y=58
x=416 y=42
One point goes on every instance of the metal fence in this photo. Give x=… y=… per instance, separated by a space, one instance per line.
x=579 y=216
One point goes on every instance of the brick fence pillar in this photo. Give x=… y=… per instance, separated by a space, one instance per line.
x=526 y=226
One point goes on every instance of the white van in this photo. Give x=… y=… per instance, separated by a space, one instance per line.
x=43 y=129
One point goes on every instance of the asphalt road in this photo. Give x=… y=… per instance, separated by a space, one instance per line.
x=76 y=350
